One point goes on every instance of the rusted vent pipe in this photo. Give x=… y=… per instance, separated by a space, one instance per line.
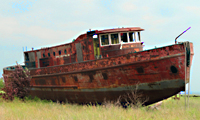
x=180 y=35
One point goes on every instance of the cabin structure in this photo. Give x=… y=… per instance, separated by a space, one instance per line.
x=96 y=44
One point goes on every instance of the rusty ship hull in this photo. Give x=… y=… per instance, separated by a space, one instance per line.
x=159 y=73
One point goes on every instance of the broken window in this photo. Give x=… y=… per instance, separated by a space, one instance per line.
x=114 y=39
x=104 y=40
x=124 y=37
x=26 y=57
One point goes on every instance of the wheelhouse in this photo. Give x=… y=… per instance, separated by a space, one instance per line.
x=119 y=38
x=93 y=45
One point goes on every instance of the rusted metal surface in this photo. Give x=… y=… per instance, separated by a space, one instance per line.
x=155 y=91
x=63 y=74
x=115 y=49
x=189 y=67
x=67 y=53
x=155 y=54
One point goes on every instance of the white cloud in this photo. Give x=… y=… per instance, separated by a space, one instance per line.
x=7 y=26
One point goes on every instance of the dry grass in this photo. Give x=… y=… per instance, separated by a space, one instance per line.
x=39 y=110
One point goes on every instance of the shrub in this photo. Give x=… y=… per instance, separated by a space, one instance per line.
x=16 y=84
x=133 y=99
x=1 y=83
x=36 y=99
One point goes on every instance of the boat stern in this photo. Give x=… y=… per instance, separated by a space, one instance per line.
x=189 y=58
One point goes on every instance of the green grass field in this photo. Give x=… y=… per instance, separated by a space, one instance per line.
x=39 y=110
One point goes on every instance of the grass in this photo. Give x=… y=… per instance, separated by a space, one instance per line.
x=41 y=109
x=2 y=92
x=169 y=110
x=1 y=85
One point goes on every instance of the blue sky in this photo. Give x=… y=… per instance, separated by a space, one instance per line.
x=43 y=23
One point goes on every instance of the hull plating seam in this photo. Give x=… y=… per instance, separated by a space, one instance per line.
x=165 y=84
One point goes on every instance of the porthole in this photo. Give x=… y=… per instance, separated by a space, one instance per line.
x=173 y=69
x=140 y=70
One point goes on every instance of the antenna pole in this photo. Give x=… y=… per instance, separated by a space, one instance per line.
x=185 y=74
x=188 y=93
x=180 y=35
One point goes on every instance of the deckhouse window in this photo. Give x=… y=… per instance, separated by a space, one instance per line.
x=121 y=37
x=26 y=57
x=139 y=36
x=124 y=37
x=104 y=40
x=114 y=38
x=131 y=37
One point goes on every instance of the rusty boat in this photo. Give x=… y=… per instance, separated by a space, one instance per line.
x=105 y=64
